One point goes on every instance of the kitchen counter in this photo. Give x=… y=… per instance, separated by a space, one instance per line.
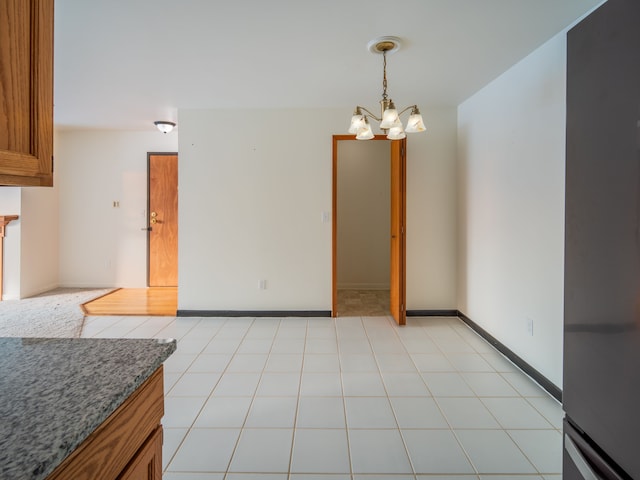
x=55 y=392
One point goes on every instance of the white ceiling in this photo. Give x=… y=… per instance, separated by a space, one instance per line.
x=125 y=63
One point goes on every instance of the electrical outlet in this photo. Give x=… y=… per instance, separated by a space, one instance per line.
x=325 y=217
x=530 y=326
x=263 y=284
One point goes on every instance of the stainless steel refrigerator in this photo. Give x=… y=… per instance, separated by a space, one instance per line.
x=601 y=391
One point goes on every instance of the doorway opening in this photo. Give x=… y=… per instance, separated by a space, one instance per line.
x=369 y=198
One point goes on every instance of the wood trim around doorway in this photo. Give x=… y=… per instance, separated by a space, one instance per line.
x=334 y=224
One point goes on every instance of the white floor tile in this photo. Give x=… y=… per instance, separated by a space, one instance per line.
x=524 y=385
x=378 y=451
x=283 y=397
x=262 y=451
x=388 y=346
x=288 y=345
x=436 y=451
x=405 y=385
x=321 y=385
x=390 y=362
x=499 y=362
x=321 y=412
x=223 y=412
x=493 y=452
x=192 y=476
x=311 y=476
x=369 y=412
x=515 y=413
x=384 y=477
x=450 y=477
x=205 y=450
x=417 y=412
x=550 y=408
x=237 y=385
x=222 y=345
x=432 y=362
x=279 y=385
x=284 y=362
x=178 y=363
x=171 y=440
x=255 y=345
x=321 y=345
x=358 y=363
x=354 y=345
x=542 y=447
x=210 y=362
x=195 y=385
x=256 y=476
x=363 y=384
x=469 y=412
x=469 y=362
x=489 y=385
x=180 y=412
x=272 y=412
x=456 y=345
x=328 y=362
x=447 y=384
x=320 y=451
x=245 y=363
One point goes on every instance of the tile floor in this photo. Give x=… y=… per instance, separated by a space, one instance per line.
x=346 y=398
x=363 y=303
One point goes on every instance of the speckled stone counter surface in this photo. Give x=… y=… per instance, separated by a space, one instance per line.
x=55 y=392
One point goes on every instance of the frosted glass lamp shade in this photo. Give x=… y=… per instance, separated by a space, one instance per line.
x=396 y=133
x=390 y=118
x=357 y=122
x=365 y=133
x=415 y=123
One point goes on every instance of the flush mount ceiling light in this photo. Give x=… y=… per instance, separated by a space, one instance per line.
x=163 y=126
x=390 y=117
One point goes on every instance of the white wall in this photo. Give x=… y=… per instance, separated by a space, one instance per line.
x=31 y=242
x=511 y=207
x=431 y=213
x=253 y=186
x=11 y=204
x=40 y=240
x=364 y=214
x=103 y=246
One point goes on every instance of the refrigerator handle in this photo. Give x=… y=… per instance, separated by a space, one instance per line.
x=579 y=461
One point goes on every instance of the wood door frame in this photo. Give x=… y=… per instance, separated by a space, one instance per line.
x=334 y=221
x=148 y=216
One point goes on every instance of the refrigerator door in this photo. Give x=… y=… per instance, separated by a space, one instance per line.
x=601 y=392
x=582 y=462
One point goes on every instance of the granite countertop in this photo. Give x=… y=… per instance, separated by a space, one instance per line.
x=55 y=392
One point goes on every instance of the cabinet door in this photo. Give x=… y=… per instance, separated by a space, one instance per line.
x=147 y=464
x=26 y=92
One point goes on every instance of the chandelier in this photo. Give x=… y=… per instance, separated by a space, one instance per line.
x=389 y=119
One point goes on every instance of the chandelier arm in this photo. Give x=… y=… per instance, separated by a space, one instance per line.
x=408 y=108
x=371 y=114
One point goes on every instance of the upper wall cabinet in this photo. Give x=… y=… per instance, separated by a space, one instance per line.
x=26 y=92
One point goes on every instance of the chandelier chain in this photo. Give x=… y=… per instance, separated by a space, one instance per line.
x=384 y=75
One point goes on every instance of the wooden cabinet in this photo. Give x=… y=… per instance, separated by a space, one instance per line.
x=26 y=92
x=128 y=445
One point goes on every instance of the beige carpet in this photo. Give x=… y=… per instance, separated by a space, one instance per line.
x=56 y=313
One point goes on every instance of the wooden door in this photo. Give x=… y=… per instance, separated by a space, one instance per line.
x=398 y=231
x=163 y=220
